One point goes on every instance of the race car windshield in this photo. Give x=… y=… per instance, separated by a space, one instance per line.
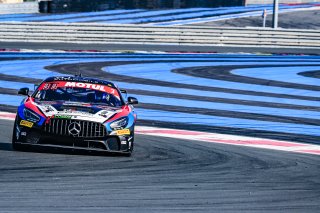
x=78 y=92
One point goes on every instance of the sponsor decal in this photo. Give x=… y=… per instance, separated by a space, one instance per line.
x=106 y=114
x=100 y=87
x=123 y=132
x=46 y=108
x=63 y=116
x=85 y=85
x=75 y=112
x=26 y=123
x=69 y=103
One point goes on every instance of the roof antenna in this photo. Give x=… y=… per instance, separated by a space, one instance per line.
x=79 y=74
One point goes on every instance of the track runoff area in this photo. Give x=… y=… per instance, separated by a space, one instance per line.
x=260 y=101
x=181 y=97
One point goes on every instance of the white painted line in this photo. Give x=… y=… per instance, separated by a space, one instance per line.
x=7 y=116
x=230 y=139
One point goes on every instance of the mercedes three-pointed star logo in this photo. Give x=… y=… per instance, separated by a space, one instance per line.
x=74 y=128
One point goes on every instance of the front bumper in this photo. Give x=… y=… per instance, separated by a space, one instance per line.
x=68 y=148
x=39 y=137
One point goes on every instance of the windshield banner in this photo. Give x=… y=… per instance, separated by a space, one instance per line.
x=60 y=84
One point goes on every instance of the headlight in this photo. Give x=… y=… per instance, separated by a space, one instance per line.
x=30 y=116
x=120 y=123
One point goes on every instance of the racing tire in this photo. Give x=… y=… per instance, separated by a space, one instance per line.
x=130 y=151
x=15 y=145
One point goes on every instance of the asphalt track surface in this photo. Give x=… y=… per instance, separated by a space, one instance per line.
x=296 y=20
x=165 y=174
x=161 y=47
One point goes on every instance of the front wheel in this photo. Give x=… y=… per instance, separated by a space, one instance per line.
x=15 y=145
x=130 y=150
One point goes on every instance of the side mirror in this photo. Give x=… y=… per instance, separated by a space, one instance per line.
x=123 y=91
x=24 y=91
x=132 y=100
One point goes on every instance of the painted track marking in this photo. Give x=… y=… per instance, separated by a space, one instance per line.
x=217 y=138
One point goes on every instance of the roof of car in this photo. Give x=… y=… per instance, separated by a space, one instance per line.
x=80 y=79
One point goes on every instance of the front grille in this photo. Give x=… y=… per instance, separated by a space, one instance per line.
x=75 y=128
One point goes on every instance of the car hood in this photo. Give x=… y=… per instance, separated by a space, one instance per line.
x=76 y=110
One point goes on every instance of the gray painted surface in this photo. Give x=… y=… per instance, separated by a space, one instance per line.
x=145 y=47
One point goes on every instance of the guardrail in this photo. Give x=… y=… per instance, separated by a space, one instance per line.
x=26 y=7
x=90 y=33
